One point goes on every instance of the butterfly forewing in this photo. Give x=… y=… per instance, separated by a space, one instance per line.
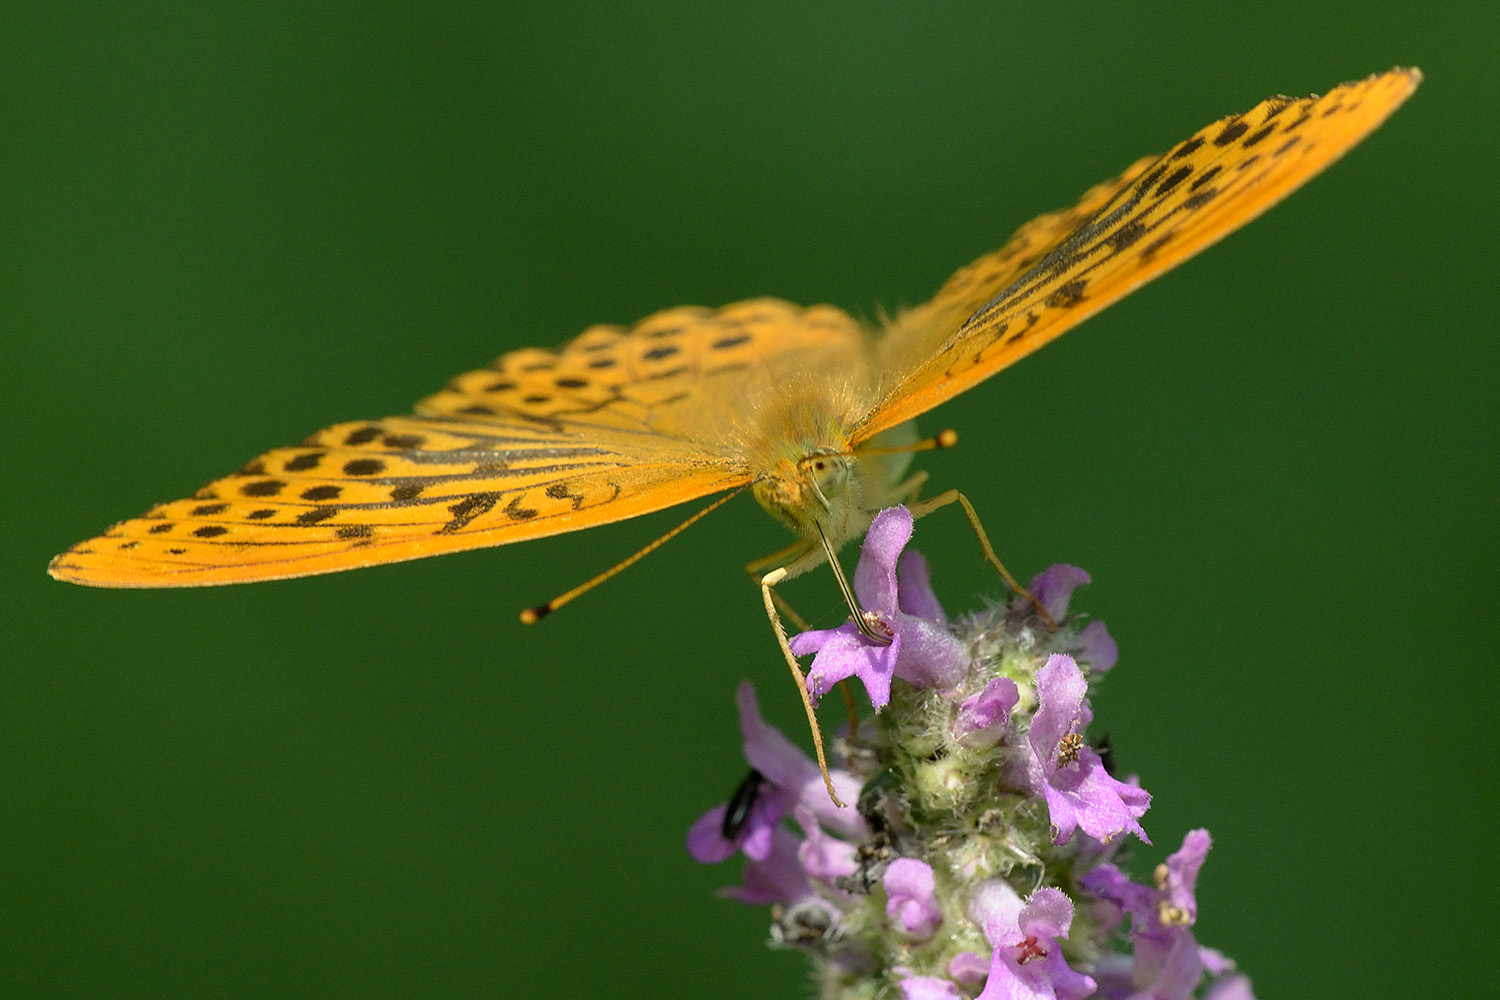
x=1203 y=189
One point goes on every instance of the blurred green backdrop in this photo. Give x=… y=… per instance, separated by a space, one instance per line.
x=228 y=225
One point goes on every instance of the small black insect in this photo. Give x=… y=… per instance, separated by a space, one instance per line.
x=737 y=813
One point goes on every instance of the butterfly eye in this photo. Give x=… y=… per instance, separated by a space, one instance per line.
x=829 y=473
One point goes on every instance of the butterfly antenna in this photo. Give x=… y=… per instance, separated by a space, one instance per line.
x=531 y=616
x=939 y=441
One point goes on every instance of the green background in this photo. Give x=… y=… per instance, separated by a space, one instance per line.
x=227 y=226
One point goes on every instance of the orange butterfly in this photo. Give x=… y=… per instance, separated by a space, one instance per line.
x=691 y=401
x=805 y=407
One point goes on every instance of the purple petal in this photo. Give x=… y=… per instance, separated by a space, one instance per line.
x=849 y=654
x=931 y=656
x=875 y=576
x=1182 y=873
x=823 y=857
x=929 y=988
x=969 y=968
x=1177 y=976
x=1053 y=588
x=1049 y=913
x=912 y=902
x=705 y=839
x=1067 y=984
x=996 y=908
x=1097 y=648
x=914 y=588
x=844 y=820
x=767 y=748
x=780 y=878
x=1084 y=795
x=1214 y=961
x=1060 y=687
x=1107 y=882
x=1234 y=987
x=984 y=717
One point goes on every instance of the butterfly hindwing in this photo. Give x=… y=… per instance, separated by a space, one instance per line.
x=633 y=378
x=369 y=492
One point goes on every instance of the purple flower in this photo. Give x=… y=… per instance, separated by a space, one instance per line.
x=1168 y=961
x=1066 y=771
x=983 y=717
x=789 y=778
x=1027 y=963
x=911 y=900
x=921 y=649
x=1053 y=589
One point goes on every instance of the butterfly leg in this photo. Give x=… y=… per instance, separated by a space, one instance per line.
x=925 y=507
x=759 y=567
x=768 y=596
x=791 y=554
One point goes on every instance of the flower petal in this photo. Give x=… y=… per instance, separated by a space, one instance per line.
x=984 y=717
x=929 y=988
x=911 y=898
x=875 y=576
x=1053 y=588
x=931 y=656
x=1097 y=647
x=849 y=654
x=914 y=588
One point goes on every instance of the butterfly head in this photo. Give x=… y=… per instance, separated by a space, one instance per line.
x=833 y=488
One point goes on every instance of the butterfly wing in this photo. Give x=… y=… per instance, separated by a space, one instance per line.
x=1155 y=218
x=358 y=494
x=617 y=423
x=659 y=376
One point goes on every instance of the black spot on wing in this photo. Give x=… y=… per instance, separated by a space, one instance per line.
x=363 y=467
x=304 y=462
x=263 y=488
x=1067 y=294
x=316 y=514
x=1259 y=135
x=1173 y=179
x=260 y=515
x=1188 y=147
x=1231 y=132
x=1193 y=202
x=322 y=492
x=664 y=351
x=407 y=491
x=1126 y=235
x=1204 y=177
x=468 y=509
x=210 y=509
x=210 y=531
x=350 y=531
x=516 y=512
x=560 y=491
x=363 y=435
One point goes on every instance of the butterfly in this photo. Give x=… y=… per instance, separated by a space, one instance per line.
x=806 y=408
